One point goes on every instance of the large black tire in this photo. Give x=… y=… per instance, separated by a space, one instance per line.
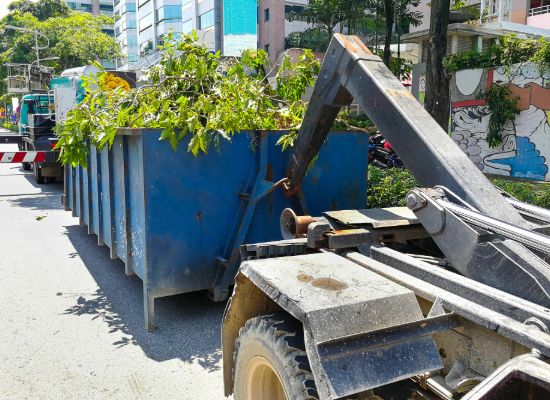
x=26 y=166
x=270 y=362
x=37 y=174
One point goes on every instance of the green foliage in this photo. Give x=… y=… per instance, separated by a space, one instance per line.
x=193 y=94
x=41 y=9
x=315 y=39
x=76 y=38
x=509 y=51
x=327 y=14
x=388 y=187
x=503 y=109
x=346 y=121
x=400 y=67
x=537 y=194
x=10 y=126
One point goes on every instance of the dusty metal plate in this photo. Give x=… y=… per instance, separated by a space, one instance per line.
x=349 y=314
x=328 y=287
x=375 y=217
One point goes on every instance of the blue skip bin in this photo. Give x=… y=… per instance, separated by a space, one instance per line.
x=177 y=221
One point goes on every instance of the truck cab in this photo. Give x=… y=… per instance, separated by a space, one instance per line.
x=34 y=103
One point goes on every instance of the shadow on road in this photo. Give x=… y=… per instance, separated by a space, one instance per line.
x=46 y=200
x=188 y=325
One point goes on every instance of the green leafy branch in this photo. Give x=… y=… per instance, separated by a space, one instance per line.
x=195 y=94
x=503 y=107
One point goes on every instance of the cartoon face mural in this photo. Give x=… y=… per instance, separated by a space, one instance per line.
x=525 y=148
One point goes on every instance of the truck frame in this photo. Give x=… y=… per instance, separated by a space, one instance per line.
x=448 y=296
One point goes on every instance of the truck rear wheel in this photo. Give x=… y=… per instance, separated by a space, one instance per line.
x=270 y=362
x=37 y=174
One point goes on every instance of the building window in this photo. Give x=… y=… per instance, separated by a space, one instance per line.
x=106 y=7
x=266 y=48
x=72 y=5
x=132 y=58
x=206 y=20
x=292 y=9
x=86 y=7
x=266 y=15
x=146 y=22
x=131 y=41
x=169 y=13
x=129 y=7
x=187 y=26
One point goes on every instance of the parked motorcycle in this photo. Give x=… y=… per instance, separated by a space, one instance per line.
x=381 y=153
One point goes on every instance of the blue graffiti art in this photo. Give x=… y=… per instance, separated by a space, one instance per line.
x=527 y=163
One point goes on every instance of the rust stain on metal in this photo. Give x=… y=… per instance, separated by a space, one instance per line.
x=399 y=93
x=330 y=284
x=304 y=278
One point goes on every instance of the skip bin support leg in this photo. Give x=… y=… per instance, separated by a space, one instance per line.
x=149 y=309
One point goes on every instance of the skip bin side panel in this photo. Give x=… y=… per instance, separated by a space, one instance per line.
x=119 y=199
x=78 y=191
x=105 y=198
x=93 y=177
x=69 y=185
x=338 y=178
x=135 y=205
x=193 y=204
x=85 y=194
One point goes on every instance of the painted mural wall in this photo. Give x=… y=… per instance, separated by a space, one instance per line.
x=525 y=149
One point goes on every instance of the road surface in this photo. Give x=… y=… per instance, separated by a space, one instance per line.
x=72 y=321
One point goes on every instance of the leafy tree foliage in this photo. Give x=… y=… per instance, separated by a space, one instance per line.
x=193 y=95
x=331 y=14
x=76 y=38
x=41 y=9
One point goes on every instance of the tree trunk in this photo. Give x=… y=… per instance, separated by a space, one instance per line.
x=437 y=81
x=377 y=21
x=388 y=14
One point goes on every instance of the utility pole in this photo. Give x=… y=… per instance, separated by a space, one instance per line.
x=218 y=25
x=36 y=47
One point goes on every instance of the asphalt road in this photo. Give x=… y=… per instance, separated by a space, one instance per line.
x=71 y=321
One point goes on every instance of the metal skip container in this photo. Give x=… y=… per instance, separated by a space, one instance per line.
x=177 y=221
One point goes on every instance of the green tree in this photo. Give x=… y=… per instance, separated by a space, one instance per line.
x=75 y=38
x=331 y=14
x=41 y=9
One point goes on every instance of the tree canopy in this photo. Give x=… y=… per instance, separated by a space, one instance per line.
x=41 y=9
x=75 y=38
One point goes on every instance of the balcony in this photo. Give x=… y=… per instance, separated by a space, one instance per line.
x=539 y=17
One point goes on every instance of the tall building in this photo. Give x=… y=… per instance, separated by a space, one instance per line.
x=125 y=12
x=274 y=24
x=226 y=25
x=95 y=7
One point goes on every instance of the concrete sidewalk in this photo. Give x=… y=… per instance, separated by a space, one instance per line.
x=72 y=322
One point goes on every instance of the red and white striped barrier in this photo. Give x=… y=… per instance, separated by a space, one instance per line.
x=23 y=156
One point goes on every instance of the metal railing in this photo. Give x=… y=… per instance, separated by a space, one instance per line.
x=539 y=10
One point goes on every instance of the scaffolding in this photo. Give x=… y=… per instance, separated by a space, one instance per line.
x=28 y=78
